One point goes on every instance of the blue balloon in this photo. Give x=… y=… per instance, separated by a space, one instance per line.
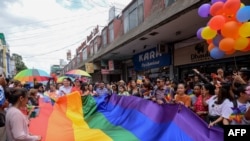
x=217 y=39
x=243 y=14
x=216 y=53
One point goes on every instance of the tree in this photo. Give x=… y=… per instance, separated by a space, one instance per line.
x=18 y=62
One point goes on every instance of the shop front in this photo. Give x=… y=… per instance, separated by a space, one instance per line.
x=152 y=63
x=197 y=56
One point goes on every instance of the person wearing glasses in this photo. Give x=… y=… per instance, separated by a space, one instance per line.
x=162 y=94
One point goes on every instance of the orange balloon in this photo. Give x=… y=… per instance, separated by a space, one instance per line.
x=230 y=52
x=210 y=47
x=209 y=41
x=230 y=29
x=231 y=6
x=217 y=22
x=227 y=44
x=216 y=8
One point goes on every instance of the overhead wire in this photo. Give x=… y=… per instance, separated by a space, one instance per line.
x=56 y=50
x=70 y=21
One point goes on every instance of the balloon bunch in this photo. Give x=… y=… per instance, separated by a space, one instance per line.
x=228 y=29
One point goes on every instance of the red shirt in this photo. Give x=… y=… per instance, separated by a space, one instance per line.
x=76 y=89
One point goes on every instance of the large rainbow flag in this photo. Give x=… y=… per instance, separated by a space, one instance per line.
x=119 y=118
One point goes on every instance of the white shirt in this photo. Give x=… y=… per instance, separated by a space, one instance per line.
x=64 y=90
x=223 y=109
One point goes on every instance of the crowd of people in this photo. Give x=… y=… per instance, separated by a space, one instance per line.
x=217 y=99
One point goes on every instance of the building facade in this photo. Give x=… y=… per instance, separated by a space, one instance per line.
x=6 y=64
x=150 y=37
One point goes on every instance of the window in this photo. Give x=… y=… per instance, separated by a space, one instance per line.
x=84 y=54
x=104 y=38
x=91 y=51
x=111 y=32
x=133 y=20
x=133 y=16
x=95 y=46
x=169 y=2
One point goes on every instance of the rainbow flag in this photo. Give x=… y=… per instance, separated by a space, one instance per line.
x=119 y=118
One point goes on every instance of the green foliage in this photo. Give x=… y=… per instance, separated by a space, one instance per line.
x=18 y=62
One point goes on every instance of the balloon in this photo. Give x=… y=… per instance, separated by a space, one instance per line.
x=231 y=6
x=217 y=40
x=227 y=44
x=243 y=14
x=198 y=33
x=242 y=5
x=216 y=9
x=244 y=30
x=203 y=10
x=216 y=53
x=230 y=52
x=247 y=48
x=209 y=41
x=208 y=33
x=217 y=22
x=214 y=1
x=230 y=29
x=241 y=43
x=210 y=47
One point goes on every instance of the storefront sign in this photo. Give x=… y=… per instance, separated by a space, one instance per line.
x=151 y=59
x=89 y=67
x=111 y=65
x=196 y=53
x=200 y=53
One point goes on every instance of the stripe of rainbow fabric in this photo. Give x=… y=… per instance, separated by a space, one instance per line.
x=122 y=118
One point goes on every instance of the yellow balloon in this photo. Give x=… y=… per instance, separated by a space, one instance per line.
x=208 y=33
x=242 y=5
x=244 y=30
x=241 y=43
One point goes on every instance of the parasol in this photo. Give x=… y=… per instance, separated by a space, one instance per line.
x=31 y=75
x=78 y=72
x=60 y=79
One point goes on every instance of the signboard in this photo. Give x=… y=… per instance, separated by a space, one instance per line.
x=151 y=59
x=111 y=65
x=89 y=67
x=197 y=53
x=104 y=71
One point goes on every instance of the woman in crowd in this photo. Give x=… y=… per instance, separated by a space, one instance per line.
x=133 y=89
x=181 y=97
x=77 y=86
x=91 y=90
x=16 y=121
x=146 y=91
x=122 y=91
x=114 y=89
x=206 y=91
x=219 y=106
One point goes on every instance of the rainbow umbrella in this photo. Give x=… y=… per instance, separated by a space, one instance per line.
x=78 y=72
x=60 y=79
x=29 y=75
